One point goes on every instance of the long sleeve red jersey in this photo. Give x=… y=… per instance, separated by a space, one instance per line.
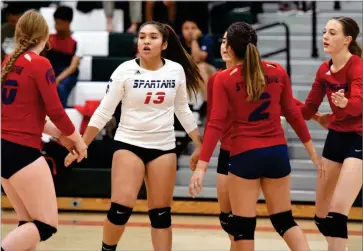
x=29 y=93
x=349 y=78
x=254 y=124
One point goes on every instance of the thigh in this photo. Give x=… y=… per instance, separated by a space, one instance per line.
x=34 y=185
x=15 y=200
x=277 y=194
x=160 y=180
x=348 y=186
x=126 y=177
x=243 y=195
x=222 y=193
x=325 y=187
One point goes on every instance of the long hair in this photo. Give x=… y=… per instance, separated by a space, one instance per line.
x=351 y=28
x=242 y=38
x=30 y=30
x=177 y=53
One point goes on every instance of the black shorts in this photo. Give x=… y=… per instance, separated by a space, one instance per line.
x=223 y=162
x=15 y=157
x=145 y=154
x=269 y=162
x=341 y=145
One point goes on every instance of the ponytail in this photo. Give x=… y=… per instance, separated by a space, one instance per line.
x=176 y=52
x=253 y=73
x=355 y=49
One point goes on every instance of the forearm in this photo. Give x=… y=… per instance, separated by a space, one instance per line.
x=196 y=138
x=51 y=130
x=67 y=72
x=90 y=134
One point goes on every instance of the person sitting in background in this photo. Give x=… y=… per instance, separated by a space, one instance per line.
x=64 y=53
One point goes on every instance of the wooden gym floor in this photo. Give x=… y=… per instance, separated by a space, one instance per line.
x=83 y=231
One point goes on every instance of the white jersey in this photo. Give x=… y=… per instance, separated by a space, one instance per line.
x=149 y=101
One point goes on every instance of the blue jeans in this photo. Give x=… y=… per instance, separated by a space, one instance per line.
x=65 y=87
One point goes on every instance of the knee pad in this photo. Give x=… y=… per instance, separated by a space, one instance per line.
x=336 y=225
x=244 y=228
x=45 y=231
x=119 y=214
x=321 y=225
x=160 y=217
x=226 y=220
x=22 y=222
x=283 y=222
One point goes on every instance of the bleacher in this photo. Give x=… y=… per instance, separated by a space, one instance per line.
x=103 y=52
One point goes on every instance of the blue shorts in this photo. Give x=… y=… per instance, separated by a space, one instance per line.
x=341 y=145
x=269 y=162
x=223 y=162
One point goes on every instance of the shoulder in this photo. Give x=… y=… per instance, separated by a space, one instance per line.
x=273 y=67
x=214 y=75
x=36 y=61
x=124 y=69
x=173 y=65
x=356 y=60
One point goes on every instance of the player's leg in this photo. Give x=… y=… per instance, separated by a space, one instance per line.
x=244 y=190
x=34 y=185
x=126 y=179
x=276 y=186
x=225 y=216
x=20 y=210
x=160 y=181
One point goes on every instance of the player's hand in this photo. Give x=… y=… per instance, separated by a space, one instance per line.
x=66 y=142
x=319 y=166
x=196 y=182
x=194 y=159
x=72 y=156
x=323 y=119
x=339 y=99
x=81 y=149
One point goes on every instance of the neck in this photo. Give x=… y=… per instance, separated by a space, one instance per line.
x=37 y=49
x=64 y=34
x=341 y=58
x=151 y=64
x=236 y=62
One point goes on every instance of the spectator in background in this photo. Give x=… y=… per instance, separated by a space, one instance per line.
x=13 y=13
x=163 y=11
x=64 y=54
x=200 y=48
x=134 y=14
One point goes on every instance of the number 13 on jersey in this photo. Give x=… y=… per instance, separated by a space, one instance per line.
x=155 y=97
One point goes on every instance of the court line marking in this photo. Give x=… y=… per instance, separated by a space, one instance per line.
x=175 y=225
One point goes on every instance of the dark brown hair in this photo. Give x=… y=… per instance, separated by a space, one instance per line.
x=175 y=52
x=242 y=38
x=30 y=30
x=351 y=28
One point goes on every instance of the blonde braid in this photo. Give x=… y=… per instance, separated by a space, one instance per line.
x=23 y=47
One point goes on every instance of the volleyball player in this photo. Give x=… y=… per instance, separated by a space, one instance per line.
x=29 y=93
x=340 y=79
x=257 y=91
x=151 y=88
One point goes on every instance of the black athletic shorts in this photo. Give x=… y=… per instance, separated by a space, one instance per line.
x=145 y=154
x=223 y=162
x=341 y=145
x=15 y=157
x=269 y=162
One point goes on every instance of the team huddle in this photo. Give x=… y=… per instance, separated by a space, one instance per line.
x=245 y=103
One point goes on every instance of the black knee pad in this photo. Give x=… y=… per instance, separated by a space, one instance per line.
x=283 y=222
x=160 y=217
x=22 y=222
x=321 y=225
x=244 y=228
x=336 y=225
x=226 y=220
x=45 y=231
x=119 y=214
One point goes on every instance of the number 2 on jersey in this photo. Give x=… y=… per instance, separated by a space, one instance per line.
x=156 y=98
x=259 y=114
x=9 y=91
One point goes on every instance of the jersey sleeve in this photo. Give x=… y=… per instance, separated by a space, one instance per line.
x=114 y=94
x=291 y=111
x=181 y=106
x=354 y=106
x=218 y=116
x=45 y=80
x=314 y=99
x=209 y=97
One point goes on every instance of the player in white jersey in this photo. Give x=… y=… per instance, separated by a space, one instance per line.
x=151 y=89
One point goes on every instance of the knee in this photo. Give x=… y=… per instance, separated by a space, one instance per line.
x=283 y=222
x=119 y=214
x=336 y=225
x=45 y=230
x=321 y=225
x=226 y=221
x=243 y=228
x=160 y=217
